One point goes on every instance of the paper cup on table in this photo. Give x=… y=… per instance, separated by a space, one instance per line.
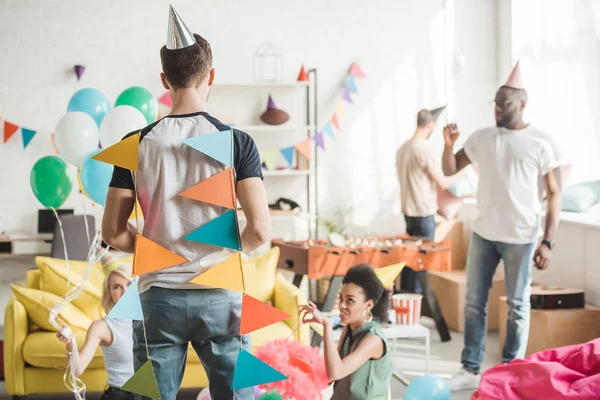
x=407 y=307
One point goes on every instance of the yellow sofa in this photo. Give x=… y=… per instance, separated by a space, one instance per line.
x=34 y=360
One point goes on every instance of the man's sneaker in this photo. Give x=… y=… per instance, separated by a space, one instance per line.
x=464 y=380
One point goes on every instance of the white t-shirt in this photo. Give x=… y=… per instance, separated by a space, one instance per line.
x=510 y=164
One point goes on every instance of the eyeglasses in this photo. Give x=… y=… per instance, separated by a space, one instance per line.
x=501 y=106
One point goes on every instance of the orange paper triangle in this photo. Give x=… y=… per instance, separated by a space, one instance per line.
x=123 y=154
x=514 y=80
x=225 y=275
x=9 y=130
x=149 y=256
x=304 y=148
x=334 y=121
x=303 y=75
x=256 y=315
x=219 y=190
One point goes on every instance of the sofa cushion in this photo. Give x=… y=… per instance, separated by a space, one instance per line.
x=580 y=197
x=43 y=349
x=55 y=279
x=95 y=276
x=38 y=304
x=259 y=275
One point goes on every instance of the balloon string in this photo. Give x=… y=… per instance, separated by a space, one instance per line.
x=64 y=243
x=87 y=228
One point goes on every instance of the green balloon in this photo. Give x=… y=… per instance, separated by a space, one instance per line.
x=270 y=396
x=50 y=181
x=142 y=99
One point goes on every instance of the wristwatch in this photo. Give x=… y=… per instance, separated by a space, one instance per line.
x=548 y=244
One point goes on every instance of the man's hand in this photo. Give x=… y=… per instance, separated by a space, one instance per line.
x=542 y=256
x=451 y=134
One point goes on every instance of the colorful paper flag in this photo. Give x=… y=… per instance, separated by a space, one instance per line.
x=256 y=315
x=339 y=109
x=250 y=371
x=54 y=143
x=225 y=275
x=9 y=130
x=143 y=382
x=350 y=85
x=303 y=75
x=79 y=70
x=388 y=274
x=356 y=71
x=123 y=154
x=220 y=232
x=219 y=190
x=288 y=154
x=27 y=135
x=215 y=145
x=334 y=121
x=318 y=138
x=149 y=256
x=328 y=129
x=304 y=148
x=269 y=158
x=346 y=96
x=166 y=99
x=129 y=305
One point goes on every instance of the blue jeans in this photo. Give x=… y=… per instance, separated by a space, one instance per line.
x=209 y=319
x=422 y=227
x=482 y=261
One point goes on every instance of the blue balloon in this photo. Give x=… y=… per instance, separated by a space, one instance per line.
x=90 y=101
x=95 y=178
x=427 y=388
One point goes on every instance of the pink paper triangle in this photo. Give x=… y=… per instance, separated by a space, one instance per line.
x=166 y=99
x=356 y=72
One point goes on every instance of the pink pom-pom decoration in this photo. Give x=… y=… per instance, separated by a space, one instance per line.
x=302 y=364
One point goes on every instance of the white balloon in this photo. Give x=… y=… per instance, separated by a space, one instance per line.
x=76 y=136
x=118 y=122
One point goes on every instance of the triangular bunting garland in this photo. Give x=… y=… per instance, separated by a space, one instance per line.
x=27 y=134
x=219 y=190
x=288 y=154
x=123 y=154
x=166 y=99
x=303 y=75
x=318 y=138
x=304 y=148
x=339 y=109
x=346 y=96
x=149 y=256
x=143 y=382
x=356 y=72
x=53 y=143
x=225 y=275
x=220 y=232
x=9 y=130
x=269 y=158
x=215 y=145
x=334 y=121
x=328 y=129
x=250 y=371
x=350 y=85
x=129 y=305
x=256 y=315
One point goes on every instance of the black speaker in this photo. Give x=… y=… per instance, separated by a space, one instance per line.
x=46 y=219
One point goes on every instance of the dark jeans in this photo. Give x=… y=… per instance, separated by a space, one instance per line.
x=421 y=227
x=116 y=394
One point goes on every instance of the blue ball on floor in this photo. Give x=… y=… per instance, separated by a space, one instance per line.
x=427 y=388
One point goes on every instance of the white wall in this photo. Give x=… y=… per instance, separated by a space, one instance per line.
x=405 y=47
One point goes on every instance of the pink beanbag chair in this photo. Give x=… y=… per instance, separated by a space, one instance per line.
x=569 y=372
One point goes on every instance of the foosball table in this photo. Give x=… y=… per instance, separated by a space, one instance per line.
x=319 y=259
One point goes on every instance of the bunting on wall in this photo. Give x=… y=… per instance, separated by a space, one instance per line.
x=10 y=129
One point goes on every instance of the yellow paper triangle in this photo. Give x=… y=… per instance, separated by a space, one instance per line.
x=388 y=274
x=136 y=211
x=225 y=275
x=123 y=154
x=339 y=109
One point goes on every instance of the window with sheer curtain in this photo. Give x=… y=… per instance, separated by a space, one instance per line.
x=558 y=44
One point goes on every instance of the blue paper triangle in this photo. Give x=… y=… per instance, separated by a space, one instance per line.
x=215 y=145
x=288 y=154
x=328 y=129
x=350 y=85
x=250 y=371
x=221 y=232
x=129 y=305
x=28 y=134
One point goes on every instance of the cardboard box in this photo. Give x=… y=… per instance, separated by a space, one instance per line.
x=549 y=329
x=450 y=289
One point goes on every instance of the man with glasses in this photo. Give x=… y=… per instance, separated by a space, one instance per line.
x=511 y=158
